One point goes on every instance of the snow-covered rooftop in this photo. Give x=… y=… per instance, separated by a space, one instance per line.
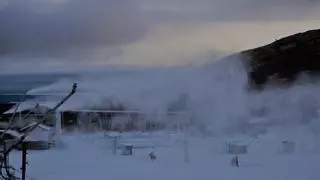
x=43 y=106
x=29 y=105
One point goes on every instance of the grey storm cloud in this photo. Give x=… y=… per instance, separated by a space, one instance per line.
x=229 y=10
x=55 y=26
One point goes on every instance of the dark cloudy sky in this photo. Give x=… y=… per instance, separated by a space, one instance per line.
x=60 y=30
x=51 y=27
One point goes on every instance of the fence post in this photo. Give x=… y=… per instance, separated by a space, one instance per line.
x=24 y=161
x=58 y=128
x=186 y=144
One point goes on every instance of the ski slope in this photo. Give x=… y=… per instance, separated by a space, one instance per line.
x=87 y=156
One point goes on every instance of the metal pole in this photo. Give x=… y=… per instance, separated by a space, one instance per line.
x=24 y=160
x=186 y=139
x=58 y=128
x=186 y=145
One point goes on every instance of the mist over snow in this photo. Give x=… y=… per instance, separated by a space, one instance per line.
x=215 y=95
x=156 y=56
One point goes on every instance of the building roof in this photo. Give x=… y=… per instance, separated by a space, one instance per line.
x=43 y=106
x=40 y=126
x=28 y=105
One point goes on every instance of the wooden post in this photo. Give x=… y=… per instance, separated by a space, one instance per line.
x=24 y=160
x=5 y=158
x=57 y=128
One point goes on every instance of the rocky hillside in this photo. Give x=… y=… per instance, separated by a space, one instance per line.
x=282 y=61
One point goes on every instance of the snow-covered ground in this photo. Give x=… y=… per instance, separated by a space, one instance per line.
x=87 y=157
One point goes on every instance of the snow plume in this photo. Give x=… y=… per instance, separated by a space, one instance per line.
x=215 y=95
x=297 y=104
x=212 y=94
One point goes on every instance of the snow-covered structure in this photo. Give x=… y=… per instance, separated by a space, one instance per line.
x=28 y=112
x=40 y=133
x=238 y=145
x=40 y=138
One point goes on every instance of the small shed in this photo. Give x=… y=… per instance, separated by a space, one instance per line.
x=39 y=139
x=113 y=139
x=237 y=148
x=127 y=150
x=238 y=145
x=288 y=146
x=32 y=110
x=41 y=133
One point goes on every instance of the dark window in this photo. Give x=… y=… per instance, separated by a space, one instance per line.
x=8 y=136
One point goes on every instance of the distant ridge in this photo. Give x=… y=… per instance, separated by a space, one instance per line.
x=282 y=61
x=12 y=86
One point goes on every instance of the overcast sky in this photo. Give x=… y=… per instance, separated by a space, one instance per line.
x=54 y=33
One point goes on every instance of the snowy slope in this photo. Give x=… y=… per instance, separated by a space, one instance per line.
x=86 y=157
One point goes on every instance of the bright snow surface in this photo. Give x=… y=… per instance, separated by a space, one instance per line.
x=87 y=157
